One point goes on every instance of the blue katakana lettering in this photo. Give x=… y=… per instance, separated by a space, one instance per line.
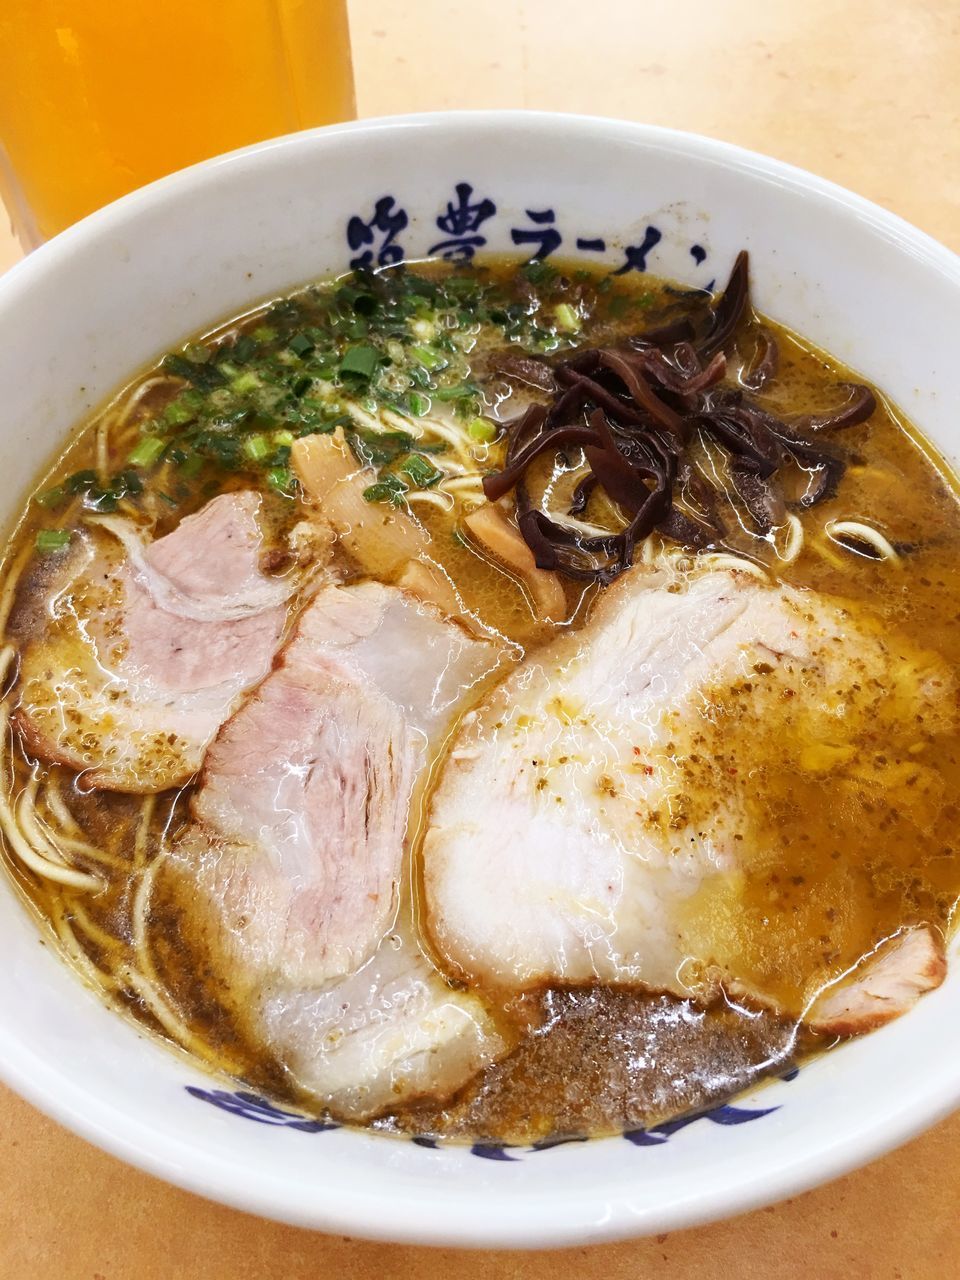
x=543 y=234
x=636 y=254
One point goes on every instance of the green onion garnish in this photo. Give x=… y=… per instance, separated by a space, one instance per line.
x=360 y=362
x=243 y=348
x=462 y=392
x=377 y=448
x=204 y=376
x=51 y=497
x=431 y=359
x=191 y=465
x=425 y=330
x=301 y=344
x=245 y=382
x=482 y=430
x=421 y=472
x=256 y=447
x=281 y=480
x=146 y=453
x=568 y=320
x=417 y=404
x=539 y=272
x=390 y=489
x=52 y=540
x=178 y=412
x=80 y=481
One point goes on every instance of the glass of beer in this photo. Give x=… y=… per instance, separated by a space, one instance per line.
x=98 y=97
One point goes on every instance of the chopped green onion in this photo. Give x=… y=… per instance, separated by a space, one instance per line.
x=482 y=430
x=390 y=489
x=462 y=392
x=417 y=404
x=256 y=447
x=243 y=348
x=146 y=453
x=52 y=539
x=191 y=465
x=178 y=412
x=431 y=359
x=283 y=437
x=197 y=353
x=425 y=330
x=567 y=318
x=204 y=376
x=245 y=382
x=264 y=333
x=102 y=500
x=80 y=481
x=376 y=448
x=360 y=362
x=127 y=482
x=281 y=479
x=421 y=472
x=364 y=304
x=301 y=344
x=539 y=272
x=51 y=497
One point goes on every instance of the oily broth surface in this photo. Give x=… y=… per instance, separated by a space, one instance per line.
x=598 y=1060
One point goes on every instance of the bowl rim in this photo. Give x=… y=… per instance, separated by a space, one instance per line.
x=503 y=1219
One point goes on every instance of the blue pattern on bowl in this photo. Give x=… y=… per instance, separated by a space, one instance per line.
x=255 y=1107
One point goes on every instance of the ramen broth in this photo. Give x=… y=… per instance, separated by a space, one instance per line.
x=840 y=865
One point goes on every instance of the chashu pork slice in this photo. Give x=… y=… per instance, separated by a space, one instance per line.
x=145 y=648
x=603 y=816
x=391 y=1032
x=295 y=857
x=305 y=794
x=886 y=984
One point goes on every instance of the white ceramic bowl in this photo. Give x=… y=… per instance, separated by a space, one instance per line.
x=88 y=310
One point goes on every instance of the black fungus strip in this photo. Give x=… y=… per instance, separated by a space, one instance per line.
x=634 y=410
x=500 y=483
x=760 y=495
x=581 y=495
x=590 y=389
x=641 y=392
x=729 y=310
x=860 y=405
x=766 y=364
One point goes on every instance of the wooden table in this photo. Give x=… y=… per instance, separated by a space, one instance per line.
x=866 y=92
